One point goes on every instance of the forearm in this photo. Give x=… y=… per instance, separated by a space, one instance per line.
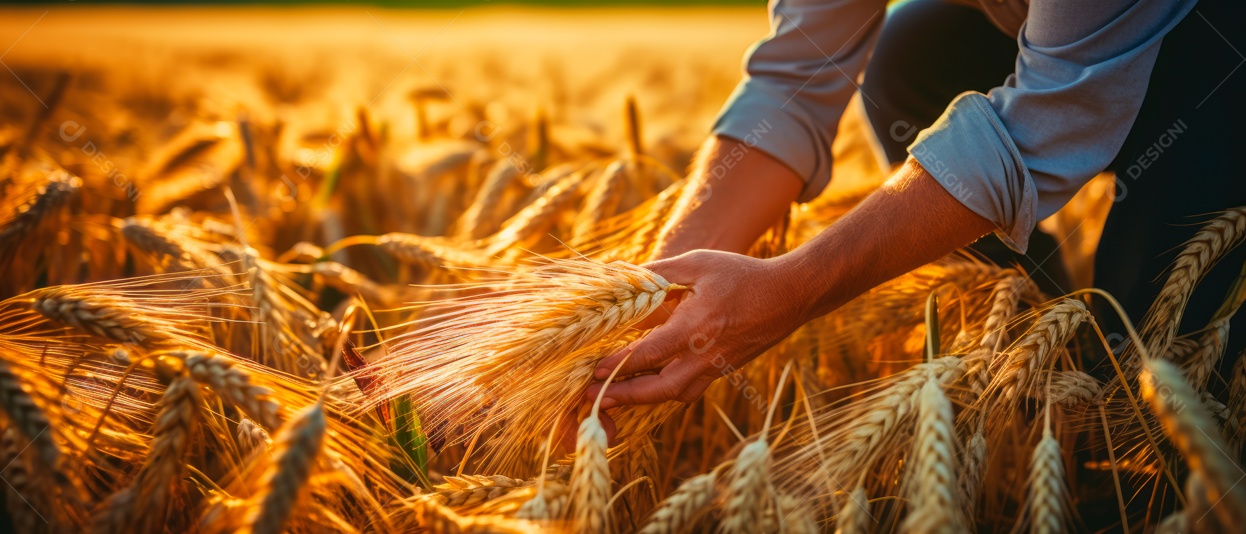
x=909 y=222
x=737 y=192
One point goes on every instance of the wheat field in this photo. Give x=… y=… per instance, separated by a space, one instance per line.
x=351 y=270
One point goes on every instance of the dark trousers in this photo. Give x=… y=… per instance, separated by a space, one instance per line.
x=1180 y=164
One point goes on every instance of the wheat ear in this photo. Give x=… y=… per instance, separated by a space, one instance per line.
x=972 y=475
x=537 y=216
x=149 y=240
x=603 y=199
x=49 y=198
x=1237 y=403
x=144 y=504
x=682 y=507
x=1069 y=389
x=1190 y=428
x=1032 y=351
x=108 y=317
x=796 y=516
x=24 y=492
x=590 y=478
x=854 y=515
x=470 y=490
x=430 y=253
x=295 y=452
x=233 y=384
x=1004 y=298
x=26 y=415
x=932 y=478
x=1200 y=253
x=1201 y=364
x=1048 y=494
x=745 y=502
x=550 y=502
x=480 y=218
x=252 y=438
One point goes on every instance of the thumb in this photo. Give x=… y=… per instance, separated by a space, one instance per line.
x=683 y=269
x=651 y=352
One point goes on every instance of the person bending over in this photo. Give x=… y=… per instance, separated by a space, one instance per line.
x=996 y=115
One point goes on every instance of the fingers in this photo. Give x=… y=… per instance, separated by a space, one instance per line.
x=651 y=352
x=683 y=269
x=672 y=383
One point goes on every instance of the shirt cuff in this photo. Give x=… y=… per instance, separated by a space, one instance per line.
x=970 y=153
x=768 y=120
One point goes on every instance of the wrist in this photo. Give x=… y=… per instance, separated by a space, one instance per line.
x=809 y=283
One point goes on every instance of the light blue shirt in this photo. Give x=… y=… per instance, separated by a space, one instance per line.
x=1014 y=155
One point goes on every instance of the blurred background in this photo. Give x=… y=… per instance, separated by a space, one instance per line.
x=141 y=72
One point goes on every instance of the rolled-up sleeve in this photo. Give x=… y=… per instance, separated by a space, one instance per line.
x=799 y=80
x=1020 y=152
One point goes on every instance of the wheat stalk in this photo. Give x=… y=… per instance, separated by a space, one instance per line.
x=296 y=450
x=933 y=471
x=590 y=478
x=430 y=253
x=682 y=507
x=1190 y=428
x=746 y=498
x=147 y=239
x=439 y=518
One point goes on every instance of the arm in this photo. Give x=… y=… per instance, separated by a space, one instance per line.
x=1018 y=153
x=1000 y=161
x=737 y=307
x=736 y=193
x=772 y=142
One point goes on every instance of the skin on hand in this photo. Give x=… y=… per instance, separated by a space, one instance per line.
x=736 y=193
x=738 y=306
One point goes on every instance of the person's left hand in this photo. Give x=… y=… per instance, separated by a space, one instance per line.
x=736 y=308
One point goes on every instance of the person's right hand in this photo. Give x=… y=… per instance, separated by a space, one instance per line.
x=736 y=307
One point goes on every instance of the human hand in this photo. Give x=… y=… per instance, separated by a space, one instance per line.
x=735 y=308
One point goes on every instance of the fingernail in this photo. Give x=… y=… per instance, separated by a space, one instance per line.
x=601 y=373
x=608 y=403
